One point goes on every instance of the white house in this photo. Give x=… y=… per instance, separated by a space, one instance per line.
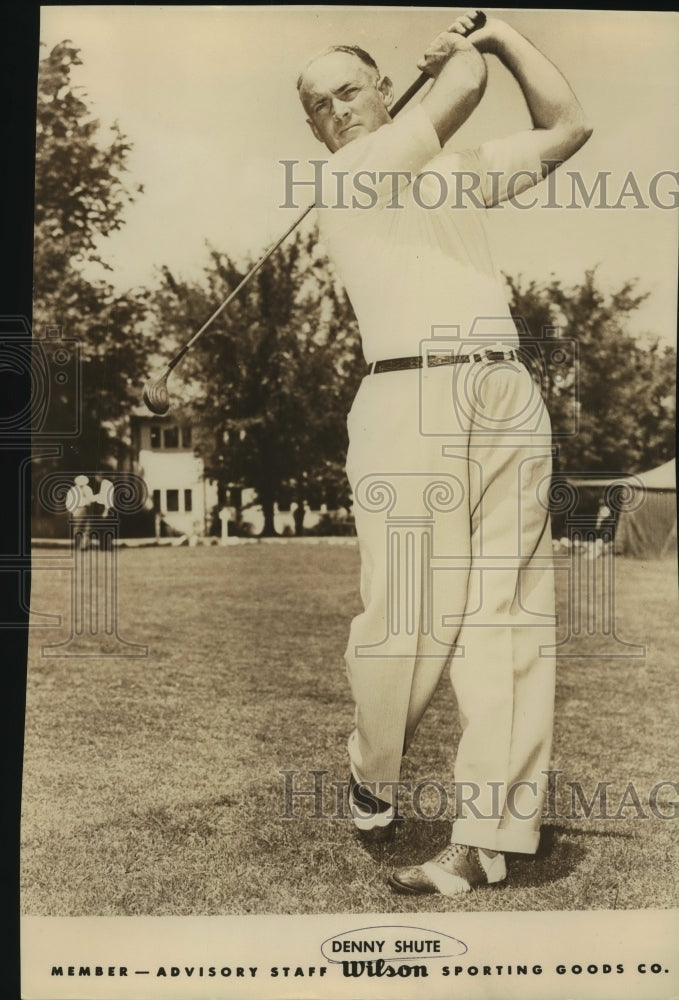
x=163 y=455
x=163 y=450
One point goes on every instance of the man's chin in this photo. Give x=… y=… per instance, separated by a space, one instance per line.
x=353 y=132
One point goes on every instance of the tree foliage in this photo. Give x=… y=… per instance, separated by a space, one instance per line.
x=80 y=195
x=272 y=380
x=618 y=394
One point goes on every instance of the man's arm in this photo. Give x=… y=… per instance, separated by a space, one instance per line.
x=459 y=74
x=559 y=124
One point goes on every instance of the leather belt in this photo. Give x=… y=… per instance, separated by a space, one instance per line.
x=435 y=359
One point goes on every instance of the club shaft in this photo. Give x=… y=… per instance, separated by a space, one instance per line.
x=410 y=93
x=251 y=273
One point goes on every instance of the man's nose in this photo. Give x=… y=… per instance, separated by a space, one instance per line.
x=340 y=109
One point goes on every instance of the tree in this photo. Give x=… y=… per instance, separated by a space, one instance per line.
x=620 y=393
x=272 y=380
x=80 y=196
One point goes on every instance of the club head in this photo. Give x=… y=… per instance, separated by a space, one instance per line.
x=156 y=396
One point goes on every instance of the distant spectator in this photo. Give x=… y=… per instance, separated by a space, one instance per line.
x=83 y=504
x=605 y=522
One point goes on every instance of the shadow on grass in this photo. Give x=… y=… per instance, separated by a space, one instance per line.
x=549 y=833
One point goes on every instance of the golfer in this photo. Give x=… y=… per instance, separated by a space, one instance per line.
x=450 y=450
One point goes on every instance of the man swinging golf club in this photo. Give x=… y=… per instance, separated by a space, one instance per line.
x=449 y=440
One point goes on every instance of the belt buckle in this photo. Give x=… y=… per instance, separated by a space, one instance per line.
x=483 y=357
x=490 y=354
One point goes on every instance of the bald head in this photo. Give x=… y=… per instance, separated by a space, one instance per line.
x=354 y=50
x=343 y=95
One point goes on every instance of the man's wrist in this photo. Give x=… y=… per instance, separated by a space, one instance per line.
x=498 y=38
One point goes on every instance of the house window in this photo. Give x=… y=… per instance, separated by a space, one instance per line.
x=156 y=501
x=171 y=437
x=155 y=437
x=186 y=437
x=188 y=500
x=172 y=500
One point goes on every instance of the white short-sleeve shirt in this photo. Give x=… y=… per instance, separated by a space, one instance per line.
x=408 y=266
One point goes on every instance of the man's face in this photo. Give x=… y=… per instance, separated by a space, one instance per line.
x=344 y=98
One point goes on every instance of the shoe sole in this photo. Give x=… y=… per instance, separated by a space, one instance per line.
x=408 y=890
x=376 y=821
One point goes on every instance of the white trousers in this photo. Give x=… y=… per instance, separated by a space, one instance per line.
x=450 y=470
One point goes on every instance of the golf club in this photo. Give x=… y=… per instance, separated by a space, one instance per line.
x=155 y=394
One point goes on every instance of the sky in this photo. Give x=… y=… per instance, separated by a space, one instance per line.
x=207 y=97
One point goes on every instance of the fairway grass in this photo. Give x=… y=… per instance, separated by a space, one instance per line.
x=153 y=785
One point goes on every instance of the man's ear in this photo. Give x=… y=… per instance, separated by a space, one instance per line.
x=386 y=89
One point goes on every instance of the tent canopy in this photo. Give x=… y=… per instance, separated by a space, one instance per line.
x=662 y=478
x=650 y=531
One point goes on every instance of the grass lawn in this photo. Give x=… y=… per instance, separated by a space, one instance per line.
x=152 y=784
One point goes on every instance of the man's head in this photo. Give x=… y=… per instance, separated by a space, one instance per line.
x=344 y=95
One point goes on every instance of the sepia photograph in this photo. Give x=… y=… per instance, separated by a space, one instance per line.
x=352 y=577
